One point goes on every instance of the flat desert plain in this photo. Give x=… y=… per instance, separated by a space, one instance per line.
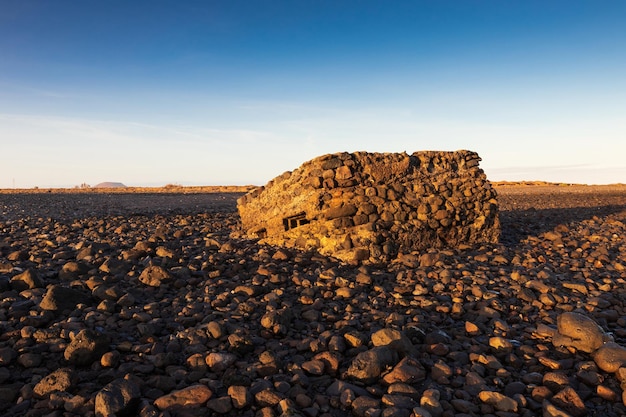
x=149 y=302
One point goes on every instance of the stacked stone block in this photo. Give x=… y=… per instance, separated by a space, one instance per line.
x=371 y=207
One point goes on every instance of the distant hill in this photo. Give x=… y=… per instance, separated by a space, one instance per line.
x=110 y=185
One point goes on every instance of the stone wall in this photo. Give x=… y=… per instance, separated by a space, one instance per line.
x=372 y=207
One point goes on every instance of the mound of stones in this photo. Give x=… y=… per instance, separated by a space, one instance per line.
x=372 y=207
x=113 y=311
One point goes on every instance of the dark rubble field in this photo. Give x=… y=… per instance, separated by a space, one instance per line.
x=153 y=305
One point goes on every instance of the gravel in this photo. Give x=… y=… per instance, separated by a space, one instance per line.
x=153 y=305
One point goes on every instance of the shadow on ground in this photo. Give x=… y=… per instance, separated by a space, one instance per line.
x=519 y=224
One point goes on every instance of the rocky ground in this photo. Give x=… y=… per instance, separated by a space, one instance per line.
x=151 y=305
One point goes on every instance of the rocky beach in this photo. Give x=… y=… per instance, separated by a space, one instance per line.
x=155 y=304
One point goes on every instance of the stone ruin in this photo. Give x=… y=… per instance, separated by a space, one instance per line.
x=373 y=207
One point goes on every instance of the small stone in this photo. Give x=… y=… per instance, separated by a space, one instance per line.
x=267 y=398
x=610 y=357
x=441 y=371
x=541 y=393
x=354 y=339
x=369 y=365
x=72 y=270
x=59 y=380
x=399 y=401
x=7 y=355
x=500 y=344
x=580 y=332
x=86 y=347
x=240 y=396
x=314 y=367
x=550 y=410
x=154 y=276
x=164 y=252
x=549 y=363
x=392 y=338
x=59 y=298
x=607 y=393
x=407 y=390
x=126 y=300
x=330 y=360
x=499 y=401
x=430 y=401
x=556 y=381
x=421 y=412
x=29 y=359
x=303 y=401
x=464 y=406
x=471 y=329
x=221 y=405
x=474 y=383
x=408 y=371
x=569 y=401
x=277 y=321
x=220 y=361
x=191 y=397
x=362 y=405
x=215 y=330
x=110 y=359
x=28 y=279
x=344 y=292
x=119 y=397
x=513 y=388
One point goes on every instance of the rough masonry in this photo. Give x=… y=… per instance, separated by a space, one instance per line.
x=371 y=207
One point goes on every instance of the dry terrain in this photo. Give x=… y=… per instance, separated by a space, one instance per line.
x=148 y=302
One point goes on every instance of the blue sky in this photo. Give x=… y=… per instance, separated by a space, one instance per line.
x=237 y=92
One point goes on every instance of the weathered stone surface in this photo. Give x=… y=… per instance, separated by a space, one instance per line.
x=409 y=371
x=374 y=206
x=59 y=298
x=59 y=380
x=191 y=397
x=610 y=357
x=394 y=339
x=500 y=401
x=580 y=332
x=219 y=361
x=369 y=365
x=28 y=279
x=568 y=400
x=221 y=405
x=119 y=397
x=154 y=276
x=240 y=396
x=86 y=347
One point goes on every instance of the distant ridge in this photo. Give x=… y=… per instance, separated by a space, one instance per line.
x=110 y=185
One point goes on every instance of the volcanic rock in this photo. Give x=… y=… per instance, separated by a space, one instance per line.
x=119 y=397
x=28 y=279
x=59 y=298
x=86 y=347
x=154 y=276
x=59 y=380
x=580 y=332
x=369 y=365
x=610 y=357
x=453 y=322
x=193 y=396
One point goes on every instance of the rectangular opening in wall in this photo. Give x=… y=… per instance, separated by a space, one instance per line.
x=295 y=221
